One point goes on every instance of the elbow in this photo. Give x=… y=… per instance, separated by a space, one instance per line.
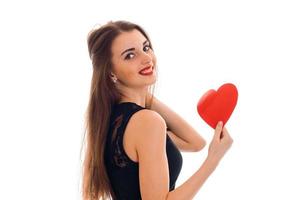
x=199 y=146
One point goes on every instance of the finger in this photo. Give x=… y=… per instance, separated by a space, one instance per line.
x=218 y=129
x=223 y=133
x=226 y=134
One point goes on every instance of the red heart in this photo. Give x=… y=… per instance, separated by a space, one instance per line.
x=215 y=106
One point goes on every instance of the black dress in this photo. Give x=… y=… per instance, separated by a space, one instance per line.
x=123 y=172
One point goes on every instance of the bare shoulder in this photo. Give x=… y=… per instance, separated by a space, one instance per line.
x=148 y=118
x=147 y=126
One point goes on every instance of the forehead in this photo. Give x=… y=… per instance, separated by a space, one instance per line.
x=126 y=40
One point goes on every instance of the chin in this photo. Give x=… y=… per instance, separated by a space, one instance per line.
x=153 y=81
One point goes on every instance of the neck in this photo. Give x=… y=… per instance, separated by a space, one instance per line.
x=135 y=96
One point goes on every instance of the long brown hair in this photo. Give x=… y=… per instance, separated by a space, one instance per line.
x=103 y=95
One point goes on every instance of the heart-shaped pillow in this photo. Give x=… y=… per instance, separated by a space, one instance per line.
x=215 y=106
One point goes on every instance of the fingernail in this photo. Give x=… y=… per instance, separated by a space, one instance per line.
x=220 y=123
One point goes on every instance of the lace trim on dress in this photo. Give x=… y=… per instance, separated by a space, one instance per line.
x=119 y=157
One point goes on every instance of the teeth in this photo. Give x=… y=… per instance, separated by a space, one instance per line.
x=147 y=70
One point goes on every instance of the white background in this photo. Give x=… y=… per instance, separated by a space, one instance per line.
x=45 y=76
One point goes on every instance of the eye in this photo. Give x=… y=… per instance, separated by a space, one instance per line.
x=147 y=47
x=127 y=57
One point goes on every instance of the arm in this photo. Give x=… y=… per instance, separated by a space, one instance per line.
x=190 y=187
x=182 y=134
x=217 y=148
x=181 y=144
x=153 y=165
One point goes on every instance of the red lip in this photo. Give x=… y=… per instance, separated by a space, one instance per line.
x=149 y=66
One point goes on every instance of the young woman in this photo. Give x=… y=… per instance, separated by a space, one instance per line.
x=133 y=139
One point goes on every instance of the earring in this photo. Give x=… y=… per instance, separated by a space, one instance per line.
x=113 y=78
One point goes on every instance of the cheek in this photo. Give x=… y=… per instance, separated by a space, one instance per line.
x=131 y=74
x=129 y=71
x=124 y=70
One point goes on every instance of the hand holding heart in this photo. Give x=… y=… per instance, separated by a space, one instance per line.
x=219 y=144
x=217 y=106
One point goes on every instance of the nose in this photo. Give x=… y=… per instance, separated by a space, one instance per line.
x=146 y=58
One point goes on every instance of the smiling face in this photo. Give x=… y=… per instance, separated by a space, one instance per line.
x=131 y=52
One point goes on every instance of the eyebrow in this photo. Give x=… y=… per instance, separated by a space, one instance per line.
x=131 y=49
